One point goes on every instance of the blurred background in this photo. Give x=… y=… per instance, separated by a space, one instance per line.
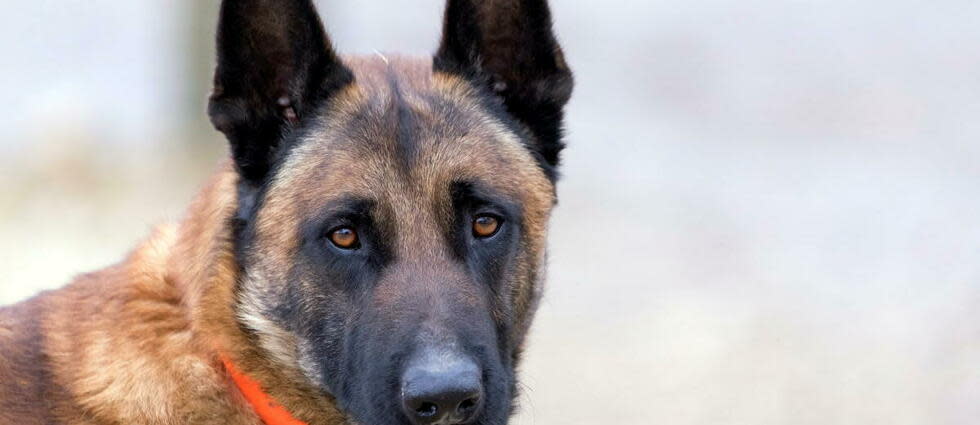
x=769 y=211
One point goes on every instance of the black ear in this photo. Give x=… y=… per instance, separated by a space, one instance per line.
x=275 y=64
x=509 y=46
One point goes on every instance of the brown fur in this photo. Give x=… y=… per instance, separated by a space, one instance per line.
x=138 y=342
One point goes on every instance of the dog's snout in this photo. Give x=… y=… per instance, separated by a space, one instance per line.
x=442 y=389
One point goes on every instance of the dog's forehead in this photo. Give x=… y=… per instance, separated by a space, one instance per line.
x=400 y=130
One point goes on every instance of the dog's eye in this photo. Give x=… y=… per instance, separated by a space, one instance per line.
x=344 y=237
x=485 y=226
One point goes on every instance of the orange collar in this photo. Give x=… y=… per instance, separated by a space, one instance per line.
x=271 y=412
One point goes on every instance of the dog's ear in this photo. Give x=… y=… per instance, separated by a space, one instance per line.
x=275 y=64
x=509 y=46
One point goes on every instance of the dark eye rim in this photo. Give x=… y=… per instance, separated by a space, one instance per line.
x=357 y=238
x=500 y=224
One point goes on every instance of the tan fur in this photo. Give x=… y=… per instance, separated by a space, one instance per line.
x=137 y=343
x=120 y=345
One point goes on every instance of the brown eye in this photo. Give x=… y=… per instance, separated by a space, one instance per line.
x=344 y=237
x=485 y=226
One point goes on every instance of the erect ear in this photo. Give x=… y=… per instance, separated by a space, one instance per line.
x=275 y=64
x=509 y=46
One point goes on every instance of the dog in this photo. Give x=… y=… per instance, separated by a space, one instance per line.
x=372 y=251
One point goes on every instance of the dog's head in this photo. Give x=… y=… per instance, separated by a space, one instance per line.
x=392 y=212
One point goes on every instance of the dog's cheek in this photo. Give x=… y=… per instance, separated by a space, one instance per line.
x=308 y=363
x=323 y=343
x=255 y=311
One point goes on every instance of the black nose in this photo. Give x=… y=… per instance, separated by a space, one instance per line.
x=443 y=389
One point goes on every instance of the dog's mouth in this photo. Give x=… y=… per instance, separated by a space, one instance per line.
x=447 y=391
x=378 y=382
x=461 y=407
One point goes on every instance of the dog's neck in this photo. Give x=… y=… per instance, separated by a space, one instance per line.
x=203 y=266
x=268 y=409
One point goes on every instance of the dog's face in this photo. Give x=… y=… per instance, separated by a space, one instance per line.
x=393 y=212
